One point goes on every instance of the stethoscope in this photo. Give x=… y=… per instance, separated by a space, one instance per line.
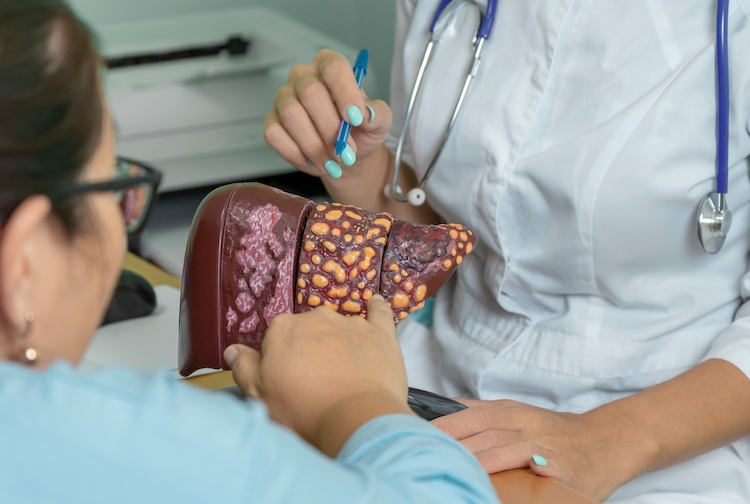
x=447 y=8
x=714 y=217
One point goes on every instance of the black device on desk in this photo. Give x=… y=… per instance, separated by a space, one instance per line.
x=133 y=298
x=425 y=404
x=431 y=406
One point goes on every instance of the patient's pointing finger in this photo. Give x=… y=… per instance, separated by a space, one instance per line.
x=245 y=364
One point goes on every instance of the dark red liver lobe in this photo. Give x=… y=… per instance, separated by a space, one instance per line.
x=418 y=260
x=255 y=241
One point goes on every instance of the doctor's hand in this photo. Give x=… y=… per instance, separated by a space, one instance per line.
x=304 y=121
x=507 y=435
x=323 y=374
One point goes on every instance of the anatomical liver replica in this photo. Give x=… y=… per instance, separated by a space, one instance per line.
x=255 y=252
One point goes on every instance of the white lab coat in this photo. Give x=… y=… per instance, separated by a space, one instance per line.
x=580 y=157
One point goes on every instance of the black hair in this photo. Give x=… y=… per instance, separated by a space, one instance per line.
x=51 y=109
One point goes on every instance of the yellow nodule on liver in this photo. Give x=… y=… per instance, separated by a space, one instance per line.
x=420 y=293
x=320 y=228
x=401 y=300
x=351 y=307
x=334 y=215
x=313 y=301
x=320 y=281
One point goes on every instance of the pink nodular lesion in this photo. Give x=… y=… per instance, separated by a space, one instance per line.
x=259 y=266
x=282 y=296
x=244 y=302
x=231 y=319
x=250 y=323
x=255 y=260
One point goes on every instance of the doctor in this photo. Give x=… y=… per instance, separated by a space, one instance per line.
x=600 y=343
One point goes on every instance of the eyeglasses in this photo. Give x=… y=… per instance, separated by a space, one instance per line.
x=134 y=184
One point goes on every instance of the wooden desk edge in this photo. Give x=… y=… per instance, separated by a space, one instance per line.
x=522 y=486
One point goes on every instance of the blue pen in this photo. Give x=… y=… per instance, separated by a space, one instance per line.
x=360 y=70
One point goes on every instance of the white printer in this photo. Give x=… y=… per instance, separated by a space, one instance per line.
x=199 y=118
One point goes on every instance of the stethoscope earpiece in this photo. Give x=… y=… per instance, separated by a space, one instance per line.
x=416 y=197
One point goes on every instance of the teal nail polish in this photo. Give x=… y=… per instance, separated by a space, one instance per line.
x=372 y=113
x=355 y=115
x=333 y=169
x=348 y=156
x=540 y=461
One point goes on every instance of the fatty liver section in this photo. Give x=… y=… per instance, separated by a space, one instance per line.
x=341 y=258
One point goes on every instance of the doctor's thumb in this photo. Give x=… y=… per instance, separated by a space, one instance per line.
x=245 y=365
x=377 y=117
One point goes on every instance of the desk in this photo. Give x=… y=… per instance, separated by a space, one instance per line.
x=520 y=486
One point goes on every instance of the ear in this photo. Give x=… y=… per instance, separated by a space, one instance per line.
x=17 y=258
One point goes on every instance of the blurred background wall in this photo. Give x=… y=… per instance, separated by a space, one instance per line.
x=362 y=24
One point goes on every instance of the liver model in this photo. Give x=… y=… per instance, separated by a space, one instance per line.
x=255 y=252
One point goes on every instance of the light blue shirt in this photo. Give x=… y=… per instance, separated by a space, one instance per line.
x=120 y=436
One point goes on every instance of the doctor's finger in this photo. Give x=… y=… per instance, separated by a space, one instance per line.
x=489 y=439
x=301 y=129
x=279 y=139
x=469 y=402
x=378 y=117
x=338 y=76
x=473 y=420
x=245 y=364
x=513 y=456
x=317 y=100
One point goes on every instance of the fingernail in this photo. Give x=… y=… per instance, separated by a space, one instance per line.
x=230 y=354
x=377 y=297
x=372 y=113
x=348 y=156
x=333 y=168
x=311 y=163
x=355 y=115
x=540 y=461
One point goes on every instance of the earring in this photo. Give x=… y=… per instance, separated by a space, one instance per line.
x=29 y=355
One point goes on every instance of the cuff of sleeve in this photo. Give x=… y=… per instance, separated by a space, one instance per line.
x=733 y=345
x=381 y=431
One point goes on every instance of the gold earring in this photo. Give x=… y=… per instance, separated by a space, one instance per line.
x=29 y=355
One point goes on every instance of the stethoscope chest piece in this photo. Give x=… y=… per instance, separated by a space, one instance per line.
x=714 y=221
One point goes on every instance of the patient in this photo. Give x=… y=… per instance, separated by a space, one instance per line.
x=121 y=436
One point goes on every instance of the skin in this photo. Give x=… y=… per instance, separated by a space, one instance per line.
x=67 y=284
x=596 y=452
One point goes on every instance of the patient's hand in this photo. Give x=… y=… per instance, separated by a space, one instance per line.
x=324 y=374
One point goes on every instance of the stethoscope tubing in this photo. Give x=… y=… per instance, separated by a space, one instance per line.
x=483 y=33
x=722 y=82
x=485 y=28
